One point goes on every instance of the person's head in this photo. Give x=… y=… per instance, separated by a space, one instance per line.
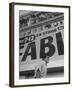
x=46 y=59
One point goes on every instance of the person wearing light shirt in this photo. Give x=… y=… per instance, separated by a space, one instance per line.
x=41 y=68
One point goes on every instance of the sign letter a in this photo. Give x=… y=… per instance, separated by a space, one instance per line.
x=32 y=53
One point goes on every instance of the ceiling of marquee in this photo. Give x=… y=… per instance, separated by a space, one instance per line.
x=28 y=18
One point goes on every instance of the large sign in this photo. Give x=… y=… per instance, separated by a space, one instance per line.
x=38 y=42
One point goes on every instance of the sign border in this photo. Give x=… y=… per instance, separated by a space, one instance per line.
x=11 y=43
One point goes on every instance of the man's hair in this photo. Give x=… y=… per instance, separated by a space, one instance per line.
x=45 y=57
